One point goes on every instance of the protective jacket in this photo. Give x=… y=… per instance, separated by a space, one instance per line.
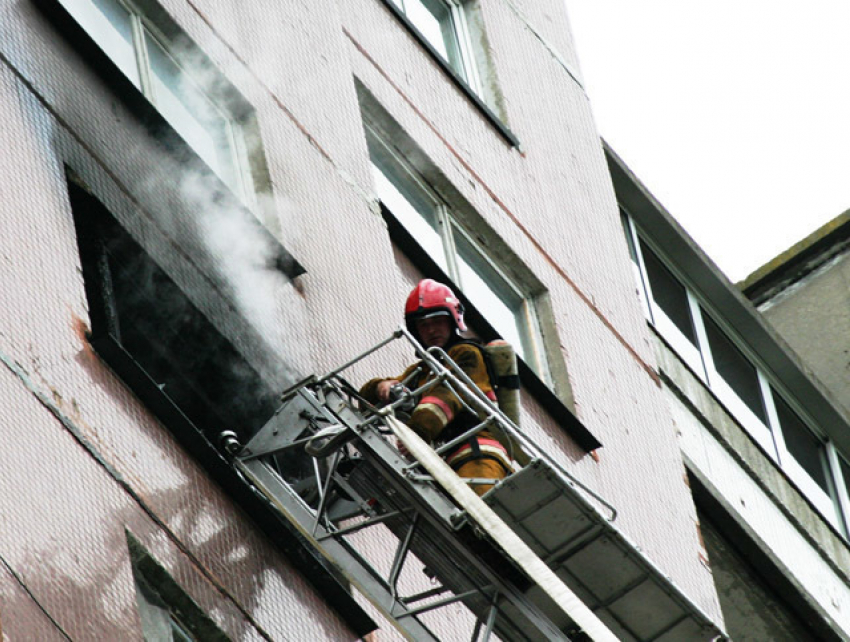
x=440 y=416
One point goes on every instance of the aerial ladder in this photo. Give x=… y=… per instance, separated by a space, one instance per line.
x=538 y=557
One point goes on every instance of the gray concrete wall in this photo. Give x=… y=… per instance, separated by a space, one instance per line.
x=813 y=316
x=752 y=608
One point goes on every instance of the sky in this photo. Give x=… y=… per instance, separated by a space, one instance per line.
x=735 y=114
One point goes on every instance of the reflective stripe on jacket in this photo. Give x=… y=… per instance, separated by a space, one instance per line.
x=440 y=406
x=487 y=449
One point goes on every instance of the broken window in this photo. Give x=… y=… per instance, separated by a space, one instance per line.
x=137 y=309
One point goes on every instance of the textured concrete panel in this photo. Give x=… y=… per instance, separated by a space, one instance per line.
x=761 y=498
x=813 y=316
x=551 y=201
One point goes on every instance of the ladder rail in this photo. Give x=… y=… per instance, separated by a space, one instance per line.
x=445 y=369
x=509 y=542
x=382 y=588
x=431 y=512
x=350 y=563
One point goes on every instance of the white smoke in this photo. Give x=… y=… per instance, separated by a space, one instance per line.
x=246 y=257
x=243 y=254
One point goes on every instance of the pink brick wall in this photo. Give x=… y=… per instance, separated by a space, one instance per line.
x=551 y=200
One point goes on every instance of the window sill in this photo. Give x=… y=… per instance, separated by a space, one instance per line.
x=279 y=531
x=159 y=128
x=473 y=97
x=530 y=381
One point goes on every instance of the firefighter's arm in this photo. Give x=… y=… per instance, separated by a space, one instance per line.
x=376 y=391
x=440 y=405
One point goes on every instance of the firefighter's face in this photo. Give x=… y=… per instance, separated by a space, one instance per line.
x=434 y=332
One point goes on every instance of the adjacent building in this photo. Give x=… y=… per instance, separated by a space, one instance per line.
x=802 y=293
x=764 y=443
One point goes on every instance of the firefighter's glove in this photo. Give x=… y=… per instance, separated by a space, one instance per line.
x=401 y=393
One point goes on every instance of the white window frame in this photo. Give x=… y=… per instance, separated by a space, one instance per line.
x=448 y=228
x=457 y=15
x=834 y=506
x=841 y=484
x=467 y=53
x=827 y=502
x=686 y=350
x=638 y=268
x=241 y=182
x=532 y=340
x=762 y=432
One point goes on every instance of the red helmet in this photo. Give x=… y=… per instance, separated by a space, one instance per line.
x=431 y=298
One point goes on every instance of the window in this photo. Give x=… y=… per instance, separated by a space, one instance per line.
x=735 y=369
x=666 y=301
x=843 y=484
x=720 y=359
x=192 y=96
x=146 y=327
x=453 y=35
x=166 y=612
x=806 y=449
x=442 y=24
x=670 y=295
x=138 y=309
x=458 y=253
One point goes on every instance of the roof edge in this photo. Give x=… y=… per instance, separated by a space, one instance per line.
x=797 y=261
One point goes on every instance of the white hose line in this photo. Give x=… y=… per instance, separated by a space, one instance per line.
x=507 y=539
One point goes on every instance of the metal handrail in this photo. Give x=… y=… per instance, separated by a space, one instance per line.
x=446 y=370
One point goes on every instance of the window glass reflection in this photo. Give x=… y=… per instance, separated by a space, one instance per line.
x=491 y=295
x=417 y=215
x=190 y=111
x=735 y=368
x=803 y=446
x=845 y=471
x=669 y=294
x=111 y=27
x=434 y=20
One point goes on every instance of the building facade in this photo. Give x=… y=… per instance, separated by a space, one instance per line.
x=205 y=202
x=764 y=443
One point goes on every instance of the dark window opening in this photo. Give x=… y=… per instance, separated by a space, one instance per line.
x=166 y=611
x=735 y=368
x=670 y=295
x=192 y=378
x=142 y=309
x=801 y=443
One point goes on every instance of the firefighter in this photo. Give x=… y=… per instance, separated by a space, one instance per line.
x=434 y=315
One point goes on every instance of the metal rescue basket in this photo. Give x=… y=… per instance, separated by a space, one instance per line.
x=534 y=559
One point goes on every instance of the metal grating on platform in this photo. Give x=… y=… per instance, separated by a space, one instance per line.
x=611 y=576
